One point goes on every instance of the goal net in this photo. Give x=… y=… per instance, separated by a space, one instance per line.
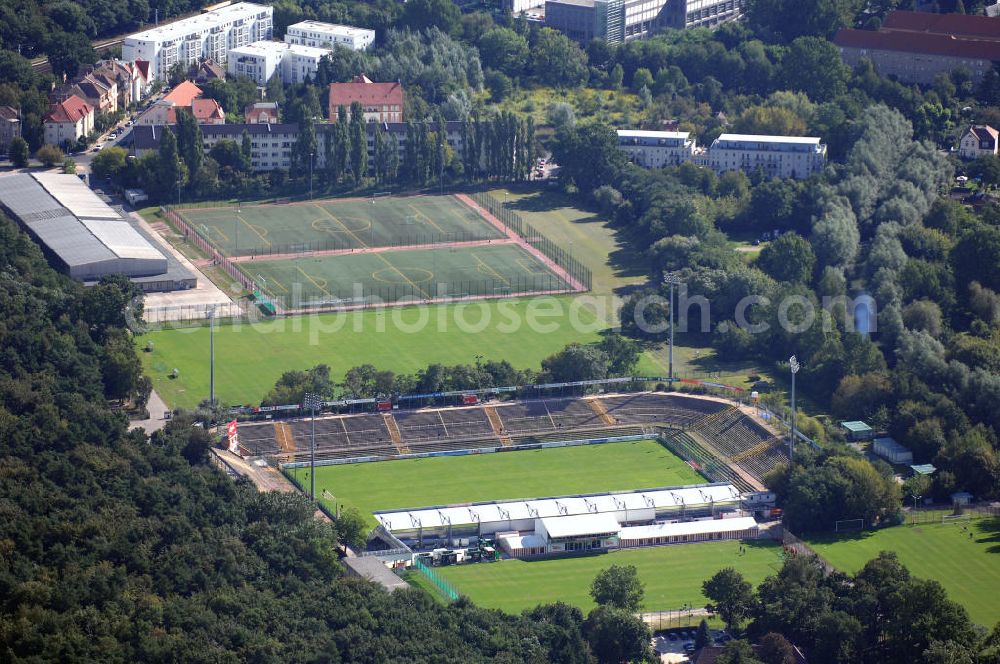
x=849 y=525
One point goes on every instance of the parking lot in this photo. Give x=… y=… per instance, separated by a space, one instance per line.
x=677 y=645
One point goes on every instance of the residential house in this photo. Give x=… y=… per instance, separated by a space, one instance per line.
x=381 y=102
x=656 y=149
x=978 y=141
x=263 y=112
x=67 y=121
x=100 y=91
x=130 y=79
x=207 y=70
x=186 y=95
x=10 y=126
x=293 y=63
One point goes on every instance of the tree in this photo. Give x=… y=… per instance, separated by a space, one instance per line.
x=422 y=14
x=622 y=353
x=67 y=52
x=352 y=528
x=171 y=173
x=120 y=367
x=504 y=50
x=789 y=258
x=731 y=595
x=814 y=66
x=925 y=316
x=18 y=152
x=618 y=586
x=775 y=649
x=558 y=60
x=275 y=89
x=642 y=78
x=49 y=155
x=561 y=116
x=109 y=162
x=704 y=635
x=359 y=144
x=617 y=636
x=770 y=120
x=115 y=302
x=737 y=652
x=562 y=632
x=69 y=166
x=577 y=362
x=857 y=397
x=589 y=155
x=189 y=143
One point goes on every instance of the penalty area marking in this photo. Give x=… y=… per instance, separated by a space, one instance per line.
x=412 y=279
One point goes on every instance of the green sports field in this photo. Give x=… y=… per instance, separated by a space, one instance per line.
x=413 y=275
x=387 y=485
x=672 y=575
x=245 y=230
x=968 y=567
x=249 y=358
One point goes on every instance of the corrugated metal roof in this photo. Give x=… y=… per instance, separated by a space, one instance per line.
x=75 y=196
x=71 y=241
x=580 y=524
x=122 y=239
x=682 y=528
x=25 y=198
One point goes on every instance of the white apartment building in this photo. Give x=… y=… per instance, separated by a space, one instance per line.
x=261 y=60
x=779 y=156
x=656 y=149
x=327 y=35
x=208 y=35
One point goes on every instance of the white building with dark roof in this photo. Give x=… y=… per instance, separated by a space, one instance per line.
x=207 y=35
x=328 y=35
x=656 y=149
x=978 y=141
x=777 y=156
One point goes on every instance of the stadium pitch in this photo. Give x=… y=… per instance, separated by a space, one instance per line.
x=338 y=224
x=672 y=575
x=967 y=567
x=557 y=471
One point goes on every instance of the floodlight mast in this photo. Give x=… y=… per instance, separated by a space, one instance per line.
x=793 y=364
x=312 y=402
x=673 y=279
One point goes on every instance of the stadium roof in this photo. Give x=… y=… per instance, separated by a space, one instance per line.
x=580 y=525
x=683 y=528
x=537 y=508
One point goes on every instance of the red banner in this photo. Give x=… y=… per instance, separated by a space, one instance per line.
x=234 y=437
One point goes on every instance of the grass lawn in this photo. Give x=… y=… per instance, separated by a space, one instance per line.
x=968 y=568
x=414 y=275
x=389 y=485
x=672 y=575
x=249 y=358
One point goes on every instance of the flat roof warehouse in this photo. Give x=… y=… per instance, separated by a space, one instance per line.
x=86 y=235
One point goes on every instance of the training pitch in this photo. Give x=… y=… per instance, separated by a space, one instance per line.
x=386 y=485
x=338 y=224
x=412 y=275
x=672 y=575
x=967 y=567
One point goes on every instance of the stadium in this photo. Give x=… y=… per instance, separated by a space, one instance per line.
x=530 y=478
x=308 y=256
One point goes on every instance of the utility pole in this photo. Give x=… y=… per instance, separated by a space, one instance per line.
x=211 y=359
x=312 y=402
x=673 y=279
x=311 y=175
x=794 y=365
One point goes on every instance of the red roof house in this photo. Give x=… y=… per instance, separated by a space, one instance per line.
x=382 y=102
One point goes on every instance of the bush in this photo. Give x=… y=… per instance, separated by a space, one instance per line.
x=49 y=155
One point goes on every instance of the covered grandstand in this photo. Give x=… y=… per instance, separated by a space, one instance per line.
x=565 y=523
x=718 y=439
x=83 y=235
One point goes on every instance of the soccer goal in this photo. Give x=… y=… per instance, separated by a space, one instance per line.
x=282 y=201
x=849 y=525
x=955 y=518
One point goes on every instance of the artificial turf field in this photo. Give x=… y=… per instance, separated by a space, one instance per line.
x=338 y=224
x=672 y=575
x=414 y=275
x=386 y=485
x=968 y=568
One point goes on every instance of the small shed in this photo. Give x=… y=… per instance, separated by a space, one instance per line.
x=923 y=469
x=961 y=498
x=891 y=451
x=857 y=430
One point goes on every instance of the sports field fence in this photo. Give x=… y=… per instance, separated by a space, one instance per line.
x=445 y=588
x=228 y=311
x=940 y=513
x=554 y=252
x=339 y=245
x=794 y=546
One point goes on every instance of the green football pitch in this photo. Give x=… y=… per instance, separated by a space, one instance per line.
x=413 y=275
x=967 y=567
x=672 y=575
x=387 y=485
x=249 y=358
x=244 y=230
